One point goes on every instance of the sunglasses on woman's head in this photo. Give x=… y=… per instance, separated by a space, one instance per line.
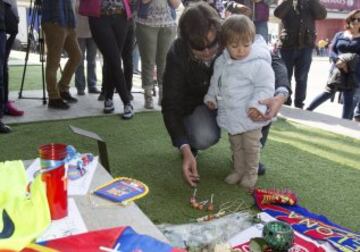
x=202 y=48
x=355 y=19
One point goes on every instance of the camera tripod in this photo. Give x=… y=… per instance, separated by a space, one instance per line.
x=34 y=12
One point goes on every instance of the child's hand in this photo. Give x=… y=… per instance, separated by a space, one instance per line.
x=211 y=105
x=255 y=114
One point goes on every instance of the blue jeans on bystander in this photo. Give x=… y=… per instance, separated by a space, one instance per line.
x=298 y=61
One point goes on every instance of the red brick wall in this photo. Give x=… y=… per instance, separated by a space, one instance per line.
x=327 y=28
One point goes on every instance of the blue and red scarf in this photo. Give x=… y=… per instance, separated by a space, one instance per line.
x=315 y=226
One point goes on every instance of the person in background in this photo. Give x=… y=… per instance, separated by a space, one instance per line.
x=3 y=127
x=321 y=47
x=297 y=40
x=260 y=15
x=11 y=24
x=88 y=47
x=356 y=103
x=249 y=78
x=155 y=30
x=127 y=63
x=58 y=24
x=190 y=124
x=110 y=26
x=344 y=42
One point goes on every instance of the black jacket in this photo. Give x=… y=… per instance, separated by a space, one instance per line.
x=299 y=24
x=185 y=84
x=2 y=16
x=339 y=80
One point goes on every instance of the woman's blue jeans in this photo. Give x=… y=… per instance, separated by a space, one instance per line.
x=201 y=128
x=347 y=102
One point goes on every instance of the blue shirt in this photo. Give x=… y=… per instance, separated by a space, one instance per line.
x=58 y=11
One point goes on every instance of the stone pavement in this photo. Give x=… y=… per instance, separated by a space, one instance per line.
x=326 y=116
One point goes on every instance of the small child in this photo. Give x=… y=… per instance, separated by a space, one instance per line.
x=242 y=77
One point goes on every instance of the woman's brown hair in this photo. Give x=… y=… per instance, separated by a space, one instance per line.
x=197 y=20
x=349 y=18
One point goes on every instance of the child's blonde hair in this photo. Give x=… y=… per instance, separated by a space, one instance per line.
x=237 y=28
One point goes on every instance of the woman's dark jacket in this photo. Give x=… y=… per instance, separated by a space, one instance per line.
x=185 y=84
x=339 y=80
x=2 y=16
x=299 y=24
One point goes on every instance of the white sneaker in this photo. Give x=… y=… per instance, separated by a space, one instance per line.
x=128 y=111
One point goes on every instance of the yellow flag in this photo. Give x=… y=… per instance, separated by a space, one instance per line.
x=23 y=216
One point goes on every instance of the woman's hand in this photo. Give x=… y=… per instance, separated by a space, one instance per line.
x=211 y=105
x=189 y=166
x=342 y=65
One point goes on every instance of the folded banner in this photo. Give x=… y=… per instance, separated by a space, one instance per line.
x=314 y=226
x=24 y=215
x=123 y=239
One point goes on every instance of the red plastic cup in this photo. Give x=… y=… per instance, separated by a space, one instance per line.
x=54 y=175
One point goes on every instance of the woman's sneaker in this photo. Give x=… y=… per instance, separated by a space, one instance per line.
x=108 y=106
x=128 y=111
x=11 y=110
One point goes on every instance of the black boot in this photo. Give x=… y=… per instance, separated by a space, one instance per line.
x=262 y=169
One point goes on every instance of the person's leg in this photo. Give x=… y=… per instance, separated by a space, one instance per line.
x=147 y=38
x=109 y=32
x=165 y=37
x=104 y=37
x=9 y=43
x=356 y=105
x=10 y=108
x=357 y=112
x=107 y=89
x=79 y=73
x=2 y=63
x=264 y=132
x=251 y=142
x=302 y=67
x=262 y=29
x=288 y=56
x=201 y=128
x=72 y=48
x=3 y=128
x=120 y=25
x=320 y=99
x=348 y=108
x=91 y=51
x=238 y=155
x=55 y=38
x=128 y=58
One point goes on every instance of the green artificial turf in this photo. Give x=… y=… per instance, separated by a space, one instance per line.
x=32 y=81
x=33 y=77
x=320 y=167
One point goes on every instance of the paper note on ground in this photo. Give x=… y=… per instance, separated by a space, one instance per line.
x=70 y=225
x=79 y=186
